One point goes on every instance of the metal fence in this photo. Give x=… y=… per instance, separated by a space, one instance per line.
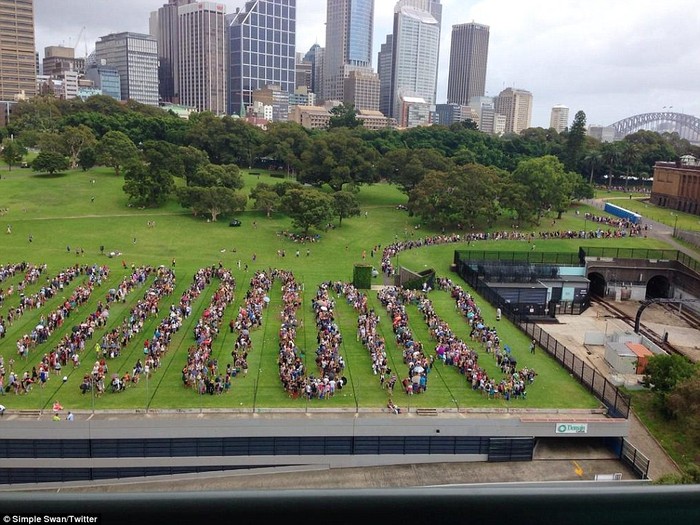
x=634 y=459
x=617 y=402
x=631 y=253
x=566 y=259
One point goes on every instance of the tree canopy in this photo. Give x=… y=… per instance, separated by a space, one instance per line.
x=307 y=207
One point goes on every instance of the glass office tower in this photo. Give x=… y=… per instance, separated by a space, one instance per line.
x=262 y=40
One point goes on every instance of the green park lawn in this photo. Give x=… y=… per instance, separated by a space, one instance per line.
x=59 y=215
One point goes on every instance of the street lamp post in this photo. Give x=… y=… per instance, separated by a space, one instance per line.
x=675 y=225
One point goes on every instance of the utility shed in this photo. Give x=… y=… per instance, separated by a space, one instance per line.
x=642 y=353
x=621 y=357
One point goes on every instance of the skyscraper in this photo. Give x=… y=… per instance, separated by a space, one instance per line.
x=559 y=119
x=468 y=57
x=17 y=56
x=385 y=66
x=164 y=28
x=202 y=56
x=314 y=56
x=516 y=105
x=362 y=90
x=415 y=55
x=135 y=56
x=262 y=40
x=349 y=30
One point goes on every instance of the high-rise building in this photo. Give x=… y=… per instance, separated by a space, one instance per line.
x=314 y=57
x=274 y=100
x=516 y=105
x=202 y=56
x=59 y=59
x=385 y=66
x=17 y=53
x=468 y=56
x=262 y=50
x=559 y=119
x=106 y=79
x=349 y=31
x=304 y=72
x=319 y=66
x=415 y=56
x=362 y=90
x=163 y=26
x=448 y=114
x=135 y=57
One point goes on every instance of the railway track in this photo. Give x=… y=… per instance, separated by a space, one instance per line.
x=656 y=338
x=687 y=315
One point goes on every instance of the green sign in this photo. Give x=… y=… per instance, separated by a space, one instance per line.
x=571 y=428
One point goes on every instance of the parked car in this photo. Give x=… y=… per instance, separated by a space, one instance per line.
x=234 y=223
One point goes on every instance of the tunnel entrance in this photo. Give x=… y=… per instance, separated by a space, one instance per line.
x=658 y=287
x=598 y=284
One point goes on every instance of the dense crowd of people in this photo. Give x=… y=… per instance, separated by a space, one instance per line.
x=36 y=300
x=367 y=333
x=290 y=360
x=69 y=347
x=208 y=378
x=623 y=227
x=395 y=299
x=514 y=382
x=329 y=363
x=112 y=342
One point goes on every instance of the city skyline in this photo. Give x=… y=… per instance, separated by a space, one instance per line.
x=561 y=51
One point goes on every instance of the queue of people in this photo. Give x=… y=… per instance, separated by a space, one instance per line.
x=395 y=299
x=116 y=339
x=52 y=287
x=202 y=370
x=290 y=359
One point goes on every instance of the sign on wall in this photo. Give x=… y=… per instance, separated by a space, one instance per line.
x=571 y=428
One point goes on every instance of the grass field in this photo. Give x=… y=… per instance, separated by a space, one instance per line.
x=52 y=218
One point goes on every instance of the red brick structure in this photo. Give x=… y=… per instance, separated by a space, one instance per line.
x=677 y=185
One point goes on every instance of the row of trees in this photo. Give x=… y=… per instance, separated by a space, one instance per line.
x=450 y=175
x=229 y=140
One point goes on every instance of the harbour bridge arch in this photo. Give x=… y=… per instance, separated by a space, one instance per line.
x=687 y=126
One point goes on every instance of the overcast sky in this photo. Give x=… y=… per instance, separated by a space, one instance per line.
x=610 y=58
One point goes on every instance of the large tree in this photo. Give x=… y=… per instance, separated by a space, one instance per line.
x=116 y=150
x=546 y=184
x=265 y=198
x=337 y=158
x=214 y=201
x=465 y=195
x=407 y=167
x=345 y=204
x=576 y=142
x=12 y=152
x=163 y=155
x=50 y=162
x=284 y=143
x=192 y=159
x=225 y=176
x=74 y=140
x=147 y=185
x=308 y=207
x=344 y=116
